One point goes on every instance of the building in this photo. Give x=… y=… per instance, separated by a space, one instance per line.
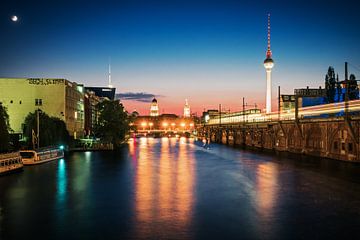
x=91 y=114
x=164 y=123
x=187 y=112
x=268 y=64
x=154 y=108
x=103 y=92
x=56 y=97
x=211 y=113
x=287 y=103
x=310 y=96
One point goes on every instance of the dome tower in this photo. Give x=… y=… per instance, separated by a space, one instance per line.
x=154 y=108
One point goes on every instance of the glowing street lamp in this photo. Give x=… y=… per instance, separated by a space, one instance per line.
x=150 y=125
x=143 y=124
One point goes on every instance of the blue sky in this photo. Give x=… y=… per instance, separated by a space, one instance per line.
x=210 y=52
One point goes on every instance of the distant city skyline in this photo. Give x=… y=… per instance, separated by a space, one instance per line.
x=208 y=52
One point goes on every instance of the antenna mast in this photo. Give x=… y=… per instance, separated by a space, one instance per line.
x=268 y=52
x=110 y=85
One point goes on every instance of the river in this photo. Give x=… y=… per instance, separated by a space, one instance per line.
x=170 y=188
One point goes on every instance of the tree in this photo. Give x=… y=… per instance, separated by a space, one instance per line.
x=330 y=85
x=113 y=122
x=52 y=130
x=353 y=88
x=4 y=129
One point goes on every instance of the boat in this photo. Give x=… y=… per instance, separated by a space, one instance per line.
x=10 y=162
x=38 y=156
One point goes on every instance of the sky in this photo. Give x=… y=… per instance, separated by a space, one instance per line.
x=209 y=52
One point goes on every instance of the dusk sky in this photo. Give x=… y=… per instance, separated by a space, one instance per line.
x=209 y=52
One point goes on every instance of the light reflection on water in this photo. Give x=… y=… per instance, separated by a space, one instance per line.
x=163 y=188
x=61 y=181
x=173 y=188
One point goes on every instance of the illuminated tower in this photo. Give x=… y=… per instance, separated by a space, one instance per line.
x=268 y=64
x=154 y=108
x=186 y=109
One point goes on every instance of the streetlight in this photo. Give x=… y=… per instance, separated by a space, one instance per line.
x=183 y=125
x=165 y=124
x=150 y=125
x=143 y=124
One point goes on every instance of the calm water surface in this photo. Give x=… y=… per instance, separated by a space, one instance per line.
x=176 y=189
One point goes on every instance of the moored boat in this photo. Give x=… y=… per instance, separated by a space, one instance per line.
x=10 y=162
x=32 y=157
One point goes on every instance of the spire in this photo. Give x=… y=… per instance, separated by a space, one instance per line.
x=110 y=85
x=268 y=52
x=186 y=109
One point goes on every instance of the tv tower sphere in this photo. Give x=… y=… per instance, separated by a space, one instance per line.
x=268 y=63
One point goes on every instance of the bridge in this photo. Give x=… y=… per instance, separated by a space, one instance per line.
x=330 y=130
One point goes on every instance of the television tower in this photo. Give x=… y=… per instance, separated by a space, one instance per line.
x=268 y=64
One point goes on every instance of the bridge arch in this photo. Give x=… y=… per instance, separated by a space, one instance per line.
x=342 y=143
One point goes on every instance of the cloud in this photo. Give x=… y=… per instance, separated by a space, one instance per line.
x=140 y=97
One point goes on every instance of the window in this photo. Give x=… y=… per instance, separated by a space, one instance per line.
x=350 y=147
x=335 y=145
x=11 y=101
x=20 y=102
x=342 y=146
x=38 y=102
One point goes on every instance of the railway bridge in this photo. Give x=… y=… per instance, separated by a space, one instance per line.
x=336 y=138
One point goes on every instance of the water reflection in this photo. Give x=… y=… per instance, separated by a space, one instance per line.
x=164 y=188
x=61 y=181
x=176 y=189
x=266 y=189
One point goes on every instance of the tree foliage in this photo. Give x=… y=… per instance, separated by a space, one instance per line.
x=4 y=130
x=113 y=122
x=52 y=130
x=353 y=88
x=330 y=85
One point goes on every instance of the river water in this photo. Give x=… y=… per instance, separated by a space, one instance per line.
x=176 y=189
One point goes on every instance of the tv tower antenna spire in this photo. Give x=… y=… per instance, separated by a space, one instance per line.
x=110 y=84
x=268 y=52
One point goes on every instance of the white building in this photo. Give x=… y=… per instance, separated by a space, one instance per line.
x=154 y=108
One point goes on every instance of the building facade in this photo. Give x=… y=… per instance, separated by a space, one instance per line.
x=187 y=112
x=154 y=108
x=56 y=97
x=103 y=92
x=91 y=113
x=163 y=122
